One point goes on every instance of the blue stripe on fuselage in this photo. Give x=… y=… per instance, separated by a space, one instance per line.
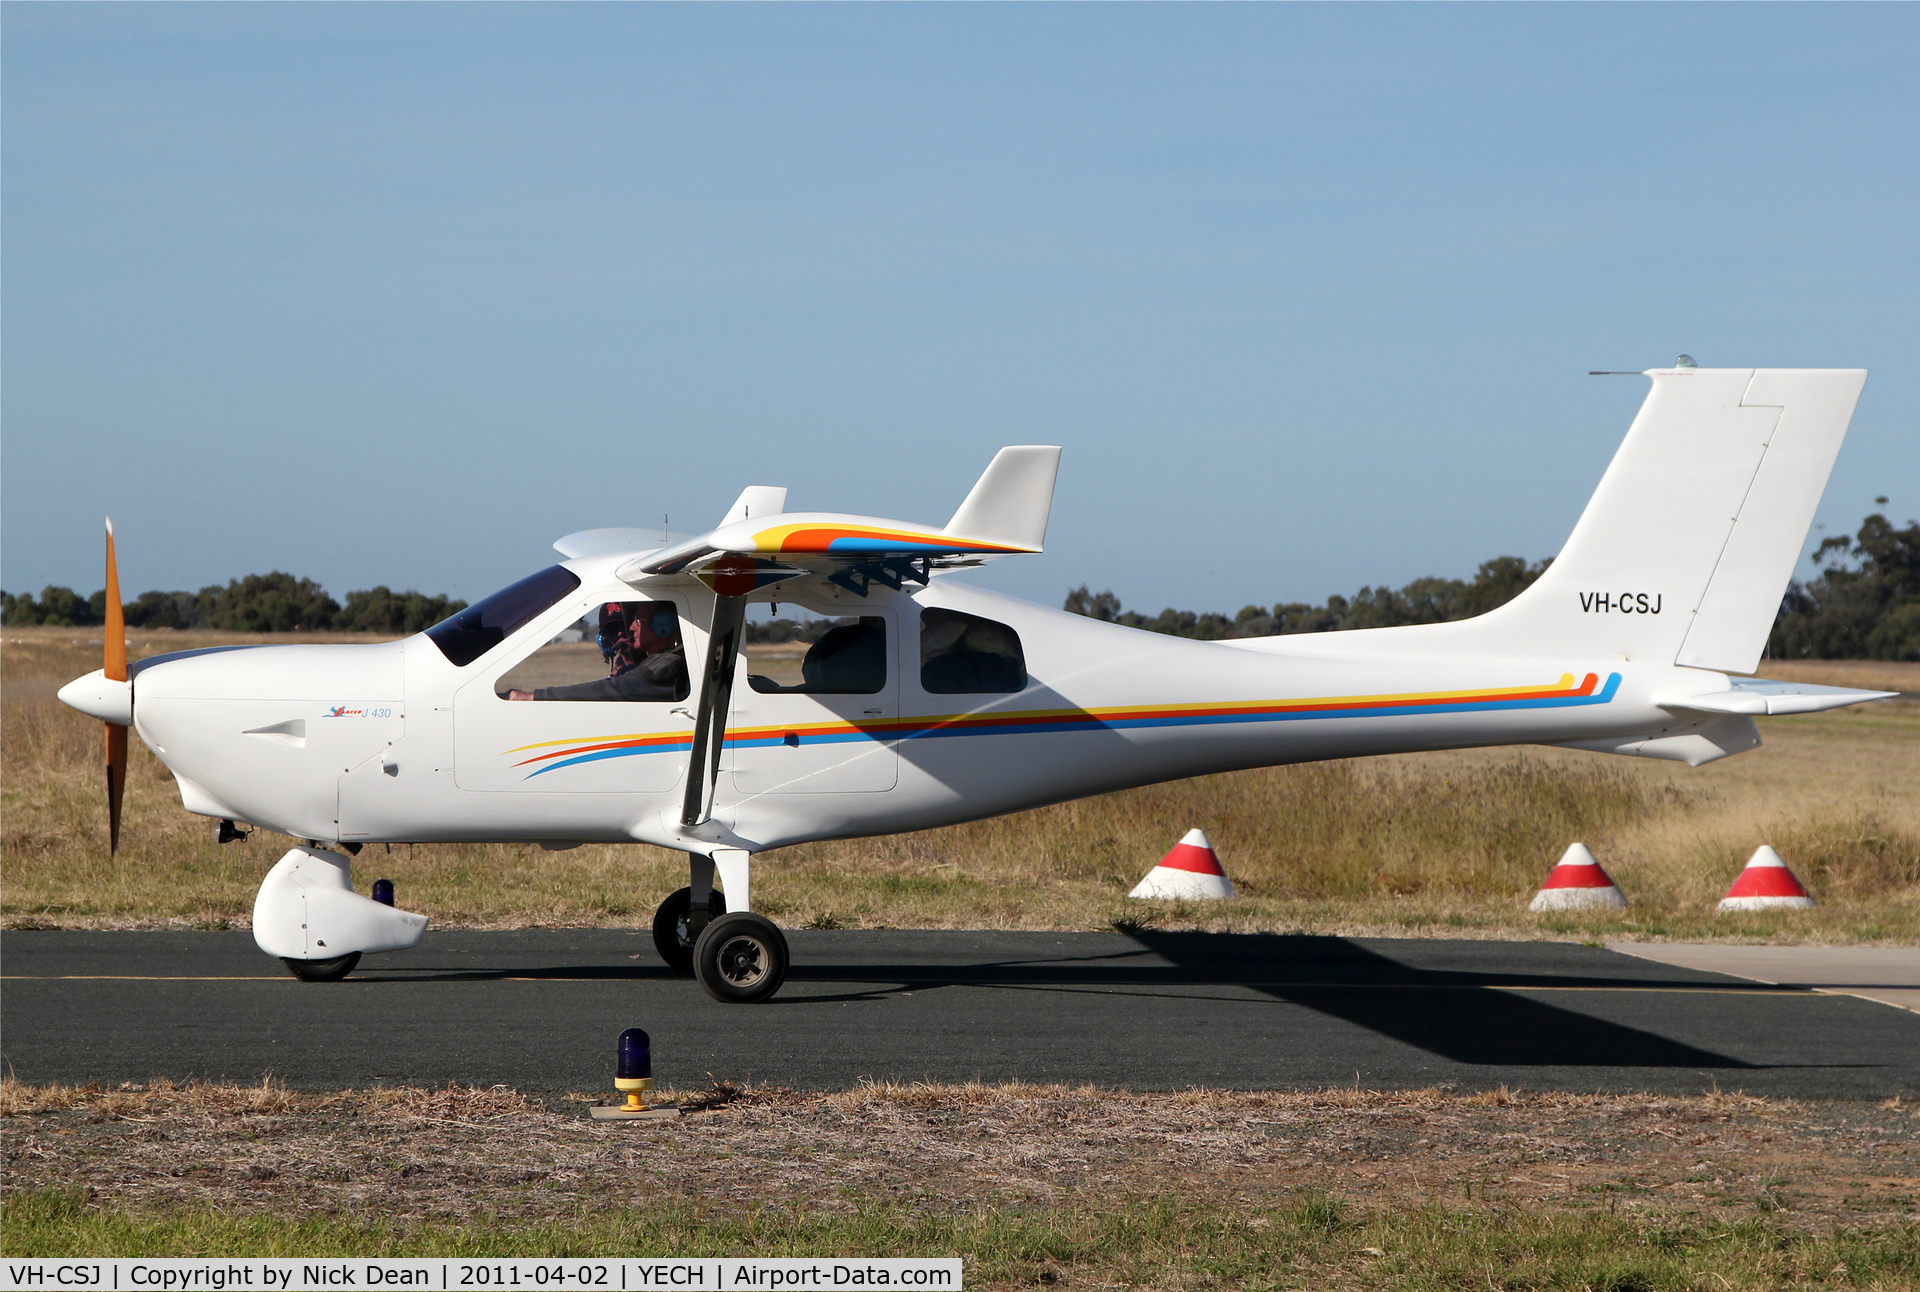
x=1091 y=723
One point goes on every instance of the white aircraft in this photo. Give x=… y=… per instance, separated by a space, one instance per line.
x=935 y=702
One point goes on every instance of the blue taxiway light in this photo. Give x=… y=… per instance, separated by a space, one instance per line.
x=636 y=1056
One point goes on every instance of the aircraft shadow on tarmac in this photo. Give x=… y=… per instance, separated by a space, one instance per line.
x=1460 y=1016
x=1468 y=1017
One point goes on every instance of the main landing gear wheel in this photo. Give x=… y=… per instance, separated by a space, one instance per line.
x=672 y=937
x=322 y=970
x=741 y=958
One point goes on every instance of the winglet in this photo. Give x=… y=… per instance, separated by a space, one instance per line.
x=1010 y=502
x=757 y=500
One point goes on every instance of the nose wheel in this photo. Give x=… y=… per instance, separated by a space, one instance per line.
x=740 y=958
x=322 y=970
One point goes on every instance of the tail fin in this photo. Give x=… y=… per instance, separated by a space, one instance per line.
x=1010 y=502
x=1684 y=551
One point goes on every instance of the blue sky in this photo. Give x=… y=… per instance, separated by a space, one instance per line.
x=401 y=293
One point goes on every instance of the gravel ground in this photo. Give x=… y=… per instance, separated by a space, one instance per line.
x=457 y=1152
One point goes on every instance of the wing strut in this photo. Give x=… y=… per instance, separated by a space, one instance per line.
x=710 y=718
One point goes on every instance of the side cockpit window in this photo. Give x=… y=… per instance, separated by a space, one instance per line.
x=468 y=634
x=622 y=650
x=849 y=659
x=962 y=654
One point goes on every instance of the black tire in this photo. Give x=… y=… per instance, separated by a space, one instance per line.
x=741 y=958
x=670 y=936
x=322 y=970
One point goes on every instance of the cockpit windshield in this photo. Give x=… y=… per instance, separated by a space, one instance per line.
x=471 y=633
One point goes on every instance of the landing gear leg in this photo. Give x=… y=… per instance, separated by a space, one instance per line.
x=680 y=919
x=740 y=958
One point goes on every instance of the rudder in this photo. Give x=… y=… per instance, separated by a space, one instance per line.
x=1730 y=627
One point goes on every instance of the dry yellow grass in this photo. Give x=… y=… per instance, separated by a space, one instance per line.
x=1448 y=844
x=1032 y=1185
x=420 y=1152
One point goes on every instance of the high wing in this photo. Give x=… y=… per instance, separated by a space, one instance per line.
x=1005 y=514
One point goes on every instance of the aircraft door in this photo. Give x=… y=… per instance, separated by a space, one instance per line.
x=826 y=727
x=601 y=708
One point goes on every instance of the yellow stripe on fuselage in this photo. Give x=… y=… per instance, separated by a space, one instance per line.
x=1006 y=717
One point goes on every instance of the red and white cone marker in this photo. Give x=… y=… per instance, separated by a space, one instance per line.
x=1577 y=884
x=1765 y=883
x=1190 y=871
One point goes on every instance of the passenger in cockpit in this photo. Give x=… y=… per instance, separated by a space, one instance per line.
x=648 y=661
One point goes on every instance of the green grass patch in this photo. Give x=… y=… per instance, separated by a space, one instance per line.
x=1319 y=1241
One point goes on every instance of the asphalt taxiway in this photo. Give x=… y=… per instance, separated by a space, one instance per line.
x=540 y=1009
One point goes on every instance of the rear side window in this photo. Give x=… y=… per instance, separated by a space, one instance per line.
x=468 y=635
x=963 y=654
x=849 y=659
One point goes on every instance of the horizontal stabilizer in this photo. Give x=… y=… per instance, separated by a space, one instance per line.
x=1758 y=697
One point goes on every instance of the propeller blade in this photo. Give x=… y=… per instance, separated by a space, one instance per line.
x=116 y=633
x=115 y=668
x=116 y=782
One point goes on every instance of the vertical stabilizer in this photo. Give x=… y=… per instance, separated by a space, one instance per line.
x=1685 y=549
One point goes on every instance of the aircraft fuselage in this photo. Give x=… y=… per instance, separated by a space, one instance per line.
x=393 y=743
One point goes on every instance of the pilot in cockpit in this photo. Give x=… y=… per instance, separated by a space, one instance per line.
x=647 y=661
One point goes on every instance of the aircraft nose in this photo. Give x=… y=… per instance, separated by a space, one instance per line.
x=99 y=696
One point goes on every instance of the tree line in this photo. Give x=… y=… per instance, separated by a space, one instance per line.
x=259 y=603
x=1864 y=603
x=1424 y=601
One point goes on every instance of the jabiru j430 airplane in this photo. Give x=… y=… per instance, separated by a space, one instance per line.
x=934 y=702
